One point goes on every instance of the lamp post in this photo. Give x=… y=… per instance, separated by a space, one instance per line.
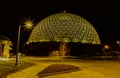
x=28 y=24
x=118 y=42
x=18 y=42
x=106 y=47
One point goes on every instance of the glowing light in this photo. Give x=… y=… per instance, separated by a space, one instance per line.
x=117 y=42
x=64 y=27
x=28 y=23
x=106 y=47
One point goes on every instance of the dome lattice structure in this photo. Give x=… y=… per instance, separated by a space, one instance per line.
x=64 y=27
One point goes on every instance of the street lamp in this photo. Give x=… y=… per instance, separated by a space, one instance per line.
x=28 y=24
x=118 y=42
x=106 y=47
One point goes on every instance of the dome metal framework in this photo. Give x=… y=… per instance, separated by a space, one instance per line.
x=64 y=27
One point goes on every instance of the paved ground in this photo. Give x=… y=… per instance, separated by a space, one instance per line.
x=90 y=68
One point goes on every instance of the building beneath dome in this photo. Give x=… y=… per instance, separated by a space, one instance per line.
x=59 y=32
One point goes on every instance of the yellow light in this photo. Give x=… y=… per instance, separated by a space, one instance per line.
x=118 y=42
x=106 y=47
x=28 y=23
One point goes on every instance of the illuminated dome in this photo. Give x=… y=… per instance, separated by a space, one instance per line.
x=64 y=27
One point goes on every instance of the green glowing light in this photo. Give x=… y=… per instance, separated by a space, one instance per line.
x=64 y=27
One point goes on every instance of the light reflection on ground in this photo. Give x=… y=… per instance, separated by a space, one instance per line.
x=7 y=59
x=90 y=68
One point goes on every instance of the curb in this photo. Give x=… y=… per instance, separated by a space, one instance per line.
x=67 y=71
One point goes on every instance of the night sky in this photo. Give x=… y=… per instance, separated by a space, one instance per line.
x=103 y=15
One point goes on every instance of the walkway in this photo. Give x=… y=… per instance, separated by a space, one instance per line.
x=29 y=72
x=90 y=69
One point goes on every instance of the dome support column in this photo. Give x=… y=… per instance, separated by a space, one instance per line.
x=63 y=49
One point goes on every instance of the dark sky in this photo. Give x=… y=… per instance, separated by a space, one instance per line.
x=103 y=15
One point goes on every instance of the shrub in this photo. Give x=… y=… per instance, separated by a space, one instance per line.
x=57 y=68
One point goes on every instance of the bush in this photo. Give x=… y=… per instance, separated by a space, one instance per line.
x=57 y=68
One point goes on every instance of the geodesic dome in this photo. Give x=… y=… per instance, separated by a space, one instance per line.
x=64 y=27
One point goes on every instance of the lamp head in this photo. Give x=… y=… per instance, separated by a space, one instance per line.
x=28 y=23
